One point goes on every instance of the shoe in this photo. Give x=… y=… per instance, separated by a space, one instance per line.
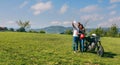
x=74 y=51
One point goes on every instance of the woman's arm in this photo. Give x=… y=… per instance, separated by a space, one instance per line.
x=83 y=30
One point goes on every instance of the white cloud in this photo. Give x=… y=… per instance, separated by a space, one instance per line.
x=9 y=24
x=103 y=24
x=92 y=17
x=66 y=23
x=63 y=9
x=112 y=7
x=41 y=7
x=113 y=12
x=90 y=8
x=62 y=23
x=114 y=1
x=24 y=4
x=110 y=21
x=114 y=19
x=37 y=12
x=56 y=23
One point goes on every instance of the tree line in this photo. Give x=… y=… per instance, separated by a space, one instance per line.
x=112 y=31
x=24 y=26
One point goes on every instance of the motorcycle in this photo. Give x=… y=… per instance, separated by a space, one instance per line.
x=93 y=44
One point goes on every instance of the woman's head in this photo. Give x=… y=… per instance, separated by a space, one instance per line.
x=80 y=25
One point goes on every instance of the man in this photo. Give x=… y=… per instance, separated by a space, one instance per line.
x=75 y=36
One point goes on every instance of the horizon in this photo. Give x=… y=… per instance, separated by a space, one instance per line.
x=45 y=13
x=68 y=26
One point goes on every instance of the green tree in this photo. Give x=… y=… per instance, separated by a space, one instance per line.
x=11 y=29
x=3 y=29
x=32 y=31
x=42 y=31
x=113 y=31
x=99 y=31
x=23 y=25
x=119 y=35
x=21 y=29
x=68 y=32
x=92 y=31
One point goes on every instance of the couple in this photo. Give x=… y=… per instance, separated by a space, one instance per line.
x=78 y=36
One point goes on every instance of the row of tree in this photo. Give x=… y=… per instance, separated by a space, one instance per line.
x=113 y=31
x=23 y=26
x=6 y=29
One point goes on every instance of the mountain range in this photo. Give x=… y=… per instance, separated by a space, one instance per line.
x=54 y=29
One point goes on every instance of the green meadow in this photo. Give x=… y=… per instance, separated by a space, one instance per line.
x=52 y=49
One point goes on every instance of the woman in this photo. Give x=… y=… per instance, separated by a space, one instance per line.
x=81 y=36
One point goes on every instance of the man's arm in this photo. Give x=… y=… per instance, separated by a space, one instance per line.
x=73 y=25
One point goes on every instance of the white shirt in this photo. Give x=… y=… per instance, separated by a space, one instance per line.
x=75 y=31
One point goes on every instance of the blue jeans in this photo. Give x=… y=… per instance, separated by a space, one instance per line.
x=75 y=43
x=82 y=45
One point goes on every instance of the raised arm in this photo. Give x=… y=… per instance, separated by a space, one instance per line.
x=73 y=25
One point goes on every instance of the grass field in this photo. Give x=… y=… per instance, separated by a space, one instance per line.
x=52 y=49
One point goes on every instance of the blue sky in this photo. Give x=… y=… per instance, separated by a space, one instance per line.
x=43 y=13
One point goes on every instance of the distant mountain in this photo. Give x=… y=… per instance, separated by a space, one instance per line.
x=54 y=29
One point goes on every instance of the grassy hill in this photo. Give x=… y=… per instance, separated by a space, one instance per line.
x=52 y=49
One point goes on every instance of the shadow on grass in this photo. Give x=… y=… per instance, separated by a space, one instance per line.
x=109 y=55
